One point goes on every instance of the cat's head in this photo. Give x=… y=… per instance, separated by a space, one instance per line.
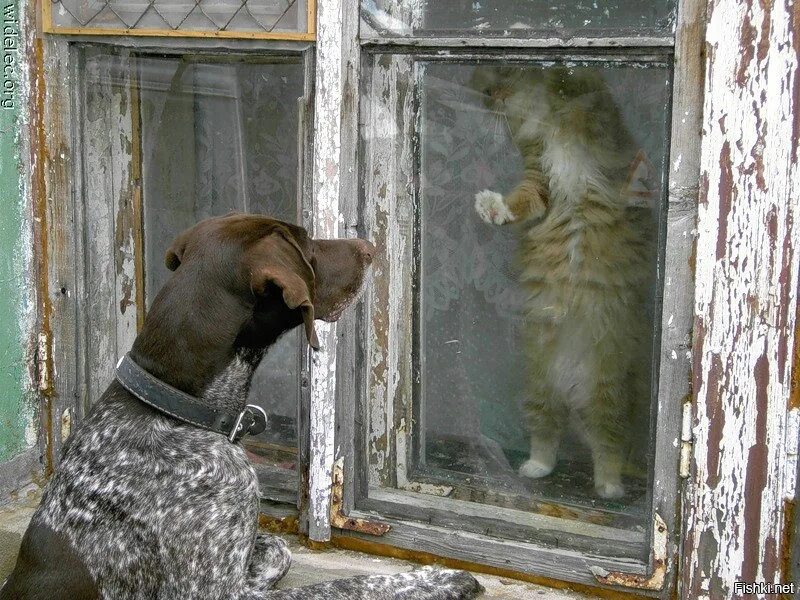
x=532 y=96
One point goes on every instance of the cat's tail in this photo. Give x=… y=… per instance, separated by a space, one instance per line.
x=427 y=583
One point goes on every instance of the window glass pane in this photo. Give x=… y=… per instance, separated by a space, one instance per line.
x=511 y=18
x=535 y=287
x=262 y=16
x=217 y=137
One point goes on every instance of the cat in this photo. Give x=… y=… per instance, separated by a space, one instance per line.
x=585 y=252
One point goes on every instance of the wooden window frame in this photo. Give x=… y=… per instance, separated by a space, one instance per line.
x=48 y=26
x=361 y=524
x=330 y=378
x=90 y=333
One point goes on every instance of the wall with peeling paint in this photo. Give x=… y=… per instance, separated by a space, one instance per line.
x=18 y=429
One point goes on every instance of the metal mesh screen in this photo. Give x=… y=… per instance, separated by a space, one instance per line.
x=215 y=16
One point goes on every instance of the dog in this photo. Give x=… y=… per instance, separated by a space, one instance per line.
x=145 y=505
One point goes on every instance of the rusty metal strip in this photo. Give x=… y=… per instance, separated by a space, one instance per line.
x=340 y=520
x=658 y=564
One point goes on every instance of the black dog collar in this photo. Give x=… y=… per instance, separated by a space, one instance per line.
x=180 y=405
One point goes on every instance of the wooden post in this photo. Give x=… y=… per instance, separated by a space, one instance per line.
x=326 y=185
x=745 y=431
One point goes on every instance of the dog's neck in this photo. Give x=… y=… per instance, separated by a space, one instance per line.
x=211 y=355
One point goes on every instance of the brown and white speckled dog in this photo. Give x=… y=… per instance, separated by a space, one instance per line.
x=144 y=506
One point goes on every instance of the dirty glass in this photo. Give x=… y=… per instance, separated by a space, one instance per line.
x=219 y=137
x=518 y=18
x=252 y=16
x=536 y=243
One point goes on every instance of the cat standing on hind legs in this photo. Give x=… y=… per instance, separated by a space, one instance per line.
x=585 y=257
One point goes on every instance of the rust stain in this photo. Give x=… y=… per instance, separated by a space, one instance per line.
x=38 y=160
x=339 y=519
x=277 y=525
x=658 y=564
x=794 y=390
x=346 y=542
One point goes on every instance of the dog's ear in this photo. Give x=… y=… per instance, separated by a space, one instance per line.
x=279 y=260
x=174 y=254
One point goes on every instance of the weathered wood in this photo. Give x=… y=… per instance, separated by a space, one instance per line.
x=305 y=204
x=566 y=565
x=52 y=158
x=326 y=218
x=183 y=45
x=746 y=298
x=505 y=523
x=675 y=272
x=389 y=216
x=352 y=336
x=369 y=37
x=111 y=213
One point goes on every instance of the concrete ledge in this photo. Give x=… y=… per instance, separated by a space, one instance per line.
x=308 y=566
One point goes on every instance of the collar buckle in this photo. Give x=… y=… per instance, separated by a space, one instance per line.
x=251 y=421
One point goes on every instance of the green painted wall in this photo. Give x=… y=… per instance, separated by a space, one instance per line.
x=17 y=425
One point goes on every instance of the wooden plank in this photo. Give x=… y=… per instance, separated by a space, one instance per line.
x=305 y=204
x=51 y=165
x=326 y=219
x=352 y=337
x=505 y=523
x=311 y=16
x=745 y=300
x=247 y=35
x=524 y=558
x=186 y=45
x=388 y=212
x=109 y=214
x=676 y=276
x=372 y=38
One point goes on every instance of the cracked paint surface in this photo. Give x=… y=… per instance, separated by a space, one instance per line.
x=746 y=297
x=17 y=425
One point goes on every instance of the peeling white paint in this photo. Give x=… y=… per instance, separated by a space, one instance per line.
x=327 y=217
x=746 y=294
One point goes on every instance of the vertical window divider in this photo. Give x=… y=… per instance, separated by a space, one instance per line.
x=325 y=223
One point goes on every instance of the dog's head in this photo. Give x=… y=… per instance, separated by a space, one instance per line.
x=279 y=275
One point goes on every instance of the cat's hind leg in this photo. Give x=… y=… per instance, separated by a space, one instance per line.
x=546 y=417
x=606 y=426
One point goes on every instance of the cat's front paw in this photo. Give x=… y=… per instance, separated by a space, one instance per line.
x=490 y=207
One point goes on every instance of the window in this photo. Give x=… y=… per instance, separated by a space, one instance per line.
x=415 y=128
x=272 y=19
x=514 y=407
x=168 y=140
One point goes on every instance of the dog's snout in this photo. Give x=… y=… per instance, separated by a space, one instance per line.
x=367 y=249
